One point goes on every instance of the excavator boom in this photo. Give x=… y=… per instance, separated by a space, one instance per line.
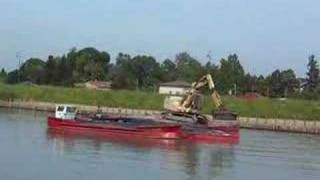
x=188 y=107
x=191 y=102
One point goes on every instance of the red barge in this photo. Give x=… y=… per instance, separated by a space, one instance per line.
x=66 y=120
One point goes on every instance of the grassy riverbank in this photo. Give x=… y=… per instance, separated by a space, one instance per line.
x=263 y=107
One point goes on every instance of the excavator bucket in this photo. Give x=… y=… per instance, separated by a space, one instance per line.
x=216 y=99
x=221 y=113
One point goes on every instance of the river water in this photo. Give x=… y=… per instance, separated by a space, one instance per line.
x=28 y=151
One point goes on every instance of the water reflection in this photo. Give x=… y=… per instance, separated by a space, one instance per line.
x=70 y=140
x=196 y=160
x=28 y=148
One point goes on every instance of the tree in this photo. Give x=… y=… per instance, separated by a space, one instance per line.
x=274 y=81
x=13 y=77
x=313 y=79
x=3 y=74
x=33 y=70
x=289 y=82
x=89 y=64
x=168 y=71
x=138 y=72
x=146 y=70
x=212 y=69
x=50 y=69
x=250 y=83
x=262 y=86
x=282 y=83
x=65 y=71
x=231 y=74
x=188 y=68
x=122 y=75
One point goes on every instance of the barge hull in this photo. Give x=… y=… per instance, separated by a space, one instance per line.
x=156 y=132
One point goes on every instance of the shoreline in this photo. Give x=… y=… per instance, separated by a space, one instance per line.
x=278 y=125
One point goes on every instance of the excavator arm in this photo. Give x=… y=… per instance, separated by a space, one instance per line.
x=190 y=102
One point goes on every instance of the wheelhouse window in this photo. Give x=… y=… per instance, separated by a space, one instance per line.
x=71 y=109
x=60 y=108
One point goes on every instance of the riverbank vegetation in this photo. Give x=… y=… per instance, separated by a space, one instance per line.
x=261 y=107
x=136 y=79
x=145 y=73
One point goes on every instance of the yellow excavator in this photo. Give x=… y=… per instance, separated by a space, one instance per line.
x=187 y=108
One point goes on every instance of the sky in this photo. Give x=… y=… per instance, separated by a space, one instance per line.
x=266 y=35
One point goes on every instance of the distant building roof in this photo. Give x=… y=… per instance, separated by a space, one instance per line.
x=176 y=84
x=302 y=79
x=250 y=95
x=97 y=84
x=28 y=83
x=302 y=82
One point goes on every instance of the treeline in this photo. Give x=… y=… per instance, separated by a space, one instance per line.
x=146 y=73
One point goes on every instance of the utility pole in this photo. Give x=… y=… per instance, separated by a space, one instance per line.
x=209 y=56
x=19 y=56
x=235 y=81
